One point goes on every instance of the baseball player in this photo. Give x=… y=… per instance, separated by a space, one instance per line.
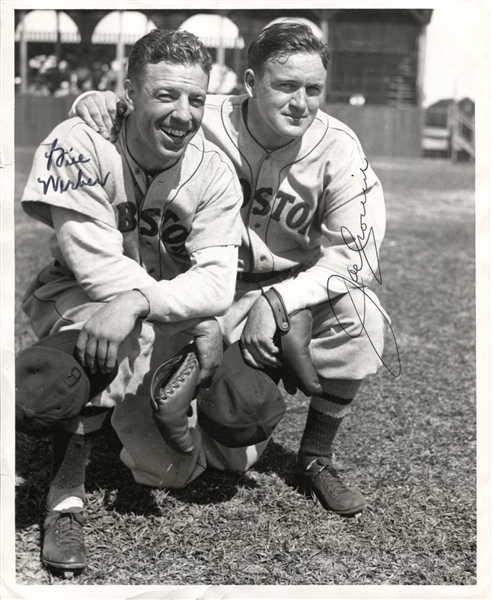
x=314 y=218
x=145 y=249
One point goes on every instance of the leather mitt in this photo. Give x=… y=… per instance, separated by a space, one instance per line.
x=293 y=336
x=173 y=388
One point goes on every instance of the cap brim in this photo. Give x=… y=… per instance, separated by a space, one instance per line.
x=66 y=341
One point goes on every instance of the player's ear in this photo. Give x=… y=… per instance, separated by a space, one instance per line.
x=129 y=93
x=250 y=82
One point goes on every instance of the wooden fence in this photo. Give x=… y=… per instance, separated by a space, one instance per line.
x=382 y=130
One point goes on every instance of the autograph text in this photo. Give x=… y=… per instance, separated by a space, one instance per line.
x=365 y=246
x=61 y=158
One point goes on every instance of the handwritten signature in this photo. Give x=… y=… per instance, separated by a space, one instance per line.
x=60 y=157
x=365 y=238
x=364 y=244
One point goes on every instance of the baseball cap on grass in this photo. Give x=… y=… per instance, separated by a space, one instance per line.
x=51 y=385
x=243 y=405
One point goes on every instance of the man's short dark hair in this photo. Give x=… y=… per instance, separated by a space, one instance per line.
x=282 y=39
x=175 y=46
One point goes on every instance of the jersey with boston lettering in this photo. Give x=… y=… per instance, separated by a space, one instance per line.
x=162 y=219
x=315 y=201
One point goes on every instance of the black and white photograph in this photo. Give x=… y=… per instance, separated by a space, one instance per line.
x=245 y=316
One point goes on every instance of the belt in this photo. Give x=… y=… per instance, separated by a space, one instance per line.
x=258 y=277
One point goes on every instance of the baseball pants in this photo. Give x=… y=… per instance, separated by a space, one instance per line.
x=345 y=349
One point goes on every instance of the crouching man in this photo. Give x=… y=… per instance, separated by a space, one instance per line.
x=145 y=250
x=314 y=220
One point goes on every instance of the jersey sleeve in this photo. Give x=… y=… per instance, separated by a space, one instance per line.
x=93 y=251
x=353 y=228
x=205 y=290
x=68 y=172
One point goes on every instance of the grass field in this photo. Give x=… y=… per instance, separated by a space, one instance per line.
x=409 y=444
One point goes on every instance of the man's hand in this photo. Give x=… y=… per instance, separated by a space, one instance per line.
x=103 y=112
x=209 y=344
x=257 y=339
x=102 y=334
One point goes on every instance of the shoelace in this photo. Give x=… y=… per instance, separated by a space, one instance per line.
x=69 y=530
x=334 y=484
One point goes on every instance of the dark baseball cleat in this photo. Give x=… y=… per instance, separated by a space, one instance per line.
x=63 y=543
x=321 y=479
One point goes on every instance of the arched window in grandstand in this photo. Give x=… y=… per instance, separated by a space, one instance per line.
x=222 y=37
x=129 y=25
x=47 y=26
x=39 y=36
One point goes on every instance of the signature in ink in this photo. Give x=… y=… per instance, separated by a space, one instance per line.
x=60 y=158
x=353 y=288
x=364 y=243
x=365 y=246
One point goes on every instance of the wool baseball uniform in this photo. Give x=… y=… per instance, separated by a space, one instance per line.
x=154 y=231
x=313 y=211
x=313 y=218
x=173 y=236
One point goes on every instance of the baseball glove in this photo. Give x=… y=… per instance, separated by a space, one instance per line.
x=173 y=388
x=293 y=338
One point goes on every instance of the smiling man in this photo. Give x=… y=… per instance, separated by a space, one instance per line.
x=167 y=104
x=145 y=248
x=314 y=218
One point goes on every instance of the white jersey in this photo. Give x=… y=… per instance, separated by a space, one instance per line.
x=151 y=229
x=313 y=205
x=164 y=220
